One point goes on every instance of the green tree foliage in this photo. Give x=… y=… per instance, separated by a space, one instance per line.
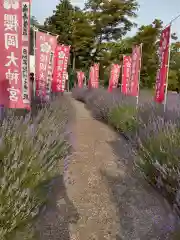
x=33 y=22
x=97 y=33
x=86 y=30
x=149 y=35
x=174 y=71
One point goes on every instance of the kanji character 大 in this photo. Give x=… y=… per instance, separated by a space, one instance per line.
x=12 y=60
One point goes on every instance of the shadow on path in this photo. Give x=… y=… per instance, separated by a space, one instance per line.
x=53 y=222
x=143 y=213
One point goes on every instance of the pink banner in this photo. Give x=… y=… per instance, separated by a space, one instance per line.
x=161 y=77
x=14 y=58
x=114 y=77
x=80 y=77
x=60 y=68
x=94 y=76
x=133 y=85
x=50 y=67
x=126 y=73
x=45 y=47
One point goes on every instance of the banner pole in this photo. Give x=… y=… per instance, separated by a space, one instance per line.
x=173 y=20
x=122 y=74
x=167 y=74
x=137 y=98
x=42 y=30
x=34 y=52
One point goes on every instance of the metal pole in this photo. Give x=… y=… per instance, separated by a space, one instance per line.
x=174 y=19
x=34 y=52
x=137 y=98
x=42 y=30
x=85 y=81
x=122 y=74
x=2 y=111
x=167 y=74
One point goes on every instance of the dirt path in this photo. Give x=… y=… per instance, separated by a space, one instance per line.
x=102 y=197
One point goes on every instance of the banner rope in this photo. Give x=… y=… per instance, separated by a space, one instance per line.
x=42 y=30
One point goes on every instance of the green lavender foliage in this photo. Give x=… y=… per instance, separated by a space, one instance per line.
x=154 y=134
x=30 y=150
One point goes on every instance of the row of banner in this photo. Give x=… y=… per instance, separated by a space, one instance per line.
x=131 y=69
x=51 y=61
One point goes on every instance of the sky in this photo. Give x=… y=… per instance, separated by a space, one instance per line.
x=148 y=11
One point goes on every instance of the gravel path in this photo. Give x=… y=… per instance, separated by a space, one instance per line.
x=101 y=196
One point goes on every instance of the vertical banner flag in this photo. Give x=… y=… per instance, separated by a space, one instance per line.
x=133 y=85
x=45 y=47
x=161 y=77
x=80 y=77
x=53 y=43
x=14 y=57
x=126 y=73
x=60 y=68
x=91 y=74
x=94 y=76
x=95 y=83
x=114 y=77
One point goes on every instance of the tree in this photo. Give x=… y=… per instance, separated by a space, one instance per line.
x=149 y=35
x=73 y=28
x=111 y=20
x=174 y=67
x=33 y=22
x=61 y=22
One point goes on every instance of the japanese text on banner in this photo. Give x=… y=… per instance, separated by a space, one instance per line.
x=14 y=81
x=126 y=74
x=161 y=76
x=133 y=84
x=80 y=77
x=94 y=76
x=60 y=69
x=114 y=77
x=45 y=47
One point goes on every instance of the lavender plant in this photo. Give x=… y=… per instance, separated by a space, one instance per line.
x=159 y=158
x=79 y=93
x=30 y=150
x=154 y=133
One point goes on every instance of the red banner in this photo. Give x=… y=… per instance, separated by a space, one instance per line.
x=80 y=77
x=45 y=46
x=114 y=77
x=161 y=77
x=60 y=68
x=53 y=44
x=126 y=74
x=94 y=76
x=133 y=84
x=14 y=58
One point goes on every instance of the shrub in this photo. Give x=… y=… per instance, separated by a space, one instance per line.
x=30 y=149
x=159 y=158
x=79 y=93
x=124 y=119
x=154 y=133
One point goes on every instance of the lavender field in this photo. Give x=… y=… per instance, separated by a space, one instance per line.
x=153 y=133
